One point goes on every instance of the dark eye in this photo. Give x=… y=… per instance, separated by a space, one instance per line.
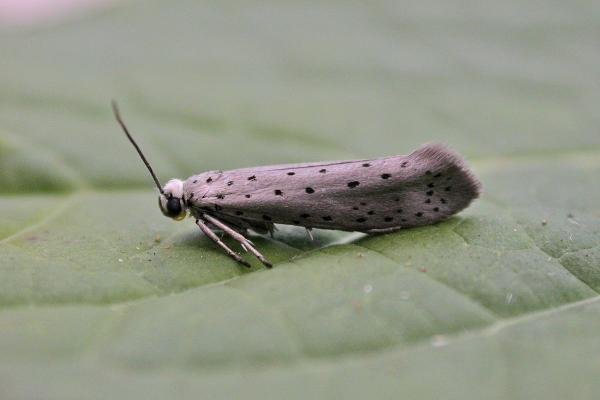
x=173 y=206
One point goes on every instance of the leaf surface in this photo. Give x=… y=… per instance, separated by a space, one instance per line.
x=102 y=297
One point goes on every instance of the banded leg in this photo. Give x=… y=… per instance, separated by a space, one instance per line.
x=218 y=241
x=245 y=243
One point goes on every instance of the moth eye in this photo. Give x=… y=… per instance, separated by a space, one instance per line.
x=173 y=206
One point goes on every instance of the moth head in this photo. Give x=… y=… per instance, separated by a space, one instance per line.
x=171 y=201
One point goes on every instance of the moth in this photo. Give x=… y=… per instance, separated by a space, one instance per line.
x=371 y=196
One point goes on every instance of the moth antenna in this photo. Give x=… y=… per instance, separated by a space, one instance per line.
x=115 y=108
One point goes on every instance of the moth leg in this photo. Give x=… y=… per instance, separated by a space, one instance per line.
x=227 y=229
x=245 y=243
x=218 y=241
x=384 y=230
x=309 y=233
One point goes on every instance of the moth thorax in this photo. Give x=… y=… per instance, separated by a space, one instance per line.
x=174 y=187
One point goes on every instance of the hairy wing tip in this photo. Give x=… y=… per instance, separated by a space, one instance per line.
x=442 y=153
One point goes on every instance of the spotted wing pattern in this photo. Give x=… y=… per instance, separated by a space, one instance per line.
x=421 y=188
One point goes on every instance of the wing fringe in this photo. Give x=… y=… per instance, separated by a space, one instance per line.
x=443 y=154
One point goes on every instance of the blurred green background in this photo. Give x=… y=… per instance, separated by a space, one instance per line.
x=102 y=297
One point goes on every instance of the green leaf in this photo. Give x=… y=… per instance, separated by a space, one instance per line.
x=102 y=297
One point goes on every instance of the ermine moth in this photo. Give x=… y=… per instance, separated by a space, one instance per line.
x=371 y=196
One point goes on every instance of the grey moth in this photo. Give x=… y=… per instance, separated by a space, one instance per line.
x=371 y=196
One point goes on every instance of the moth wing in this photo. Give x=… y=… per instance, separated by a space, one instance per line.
x=382 y=194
